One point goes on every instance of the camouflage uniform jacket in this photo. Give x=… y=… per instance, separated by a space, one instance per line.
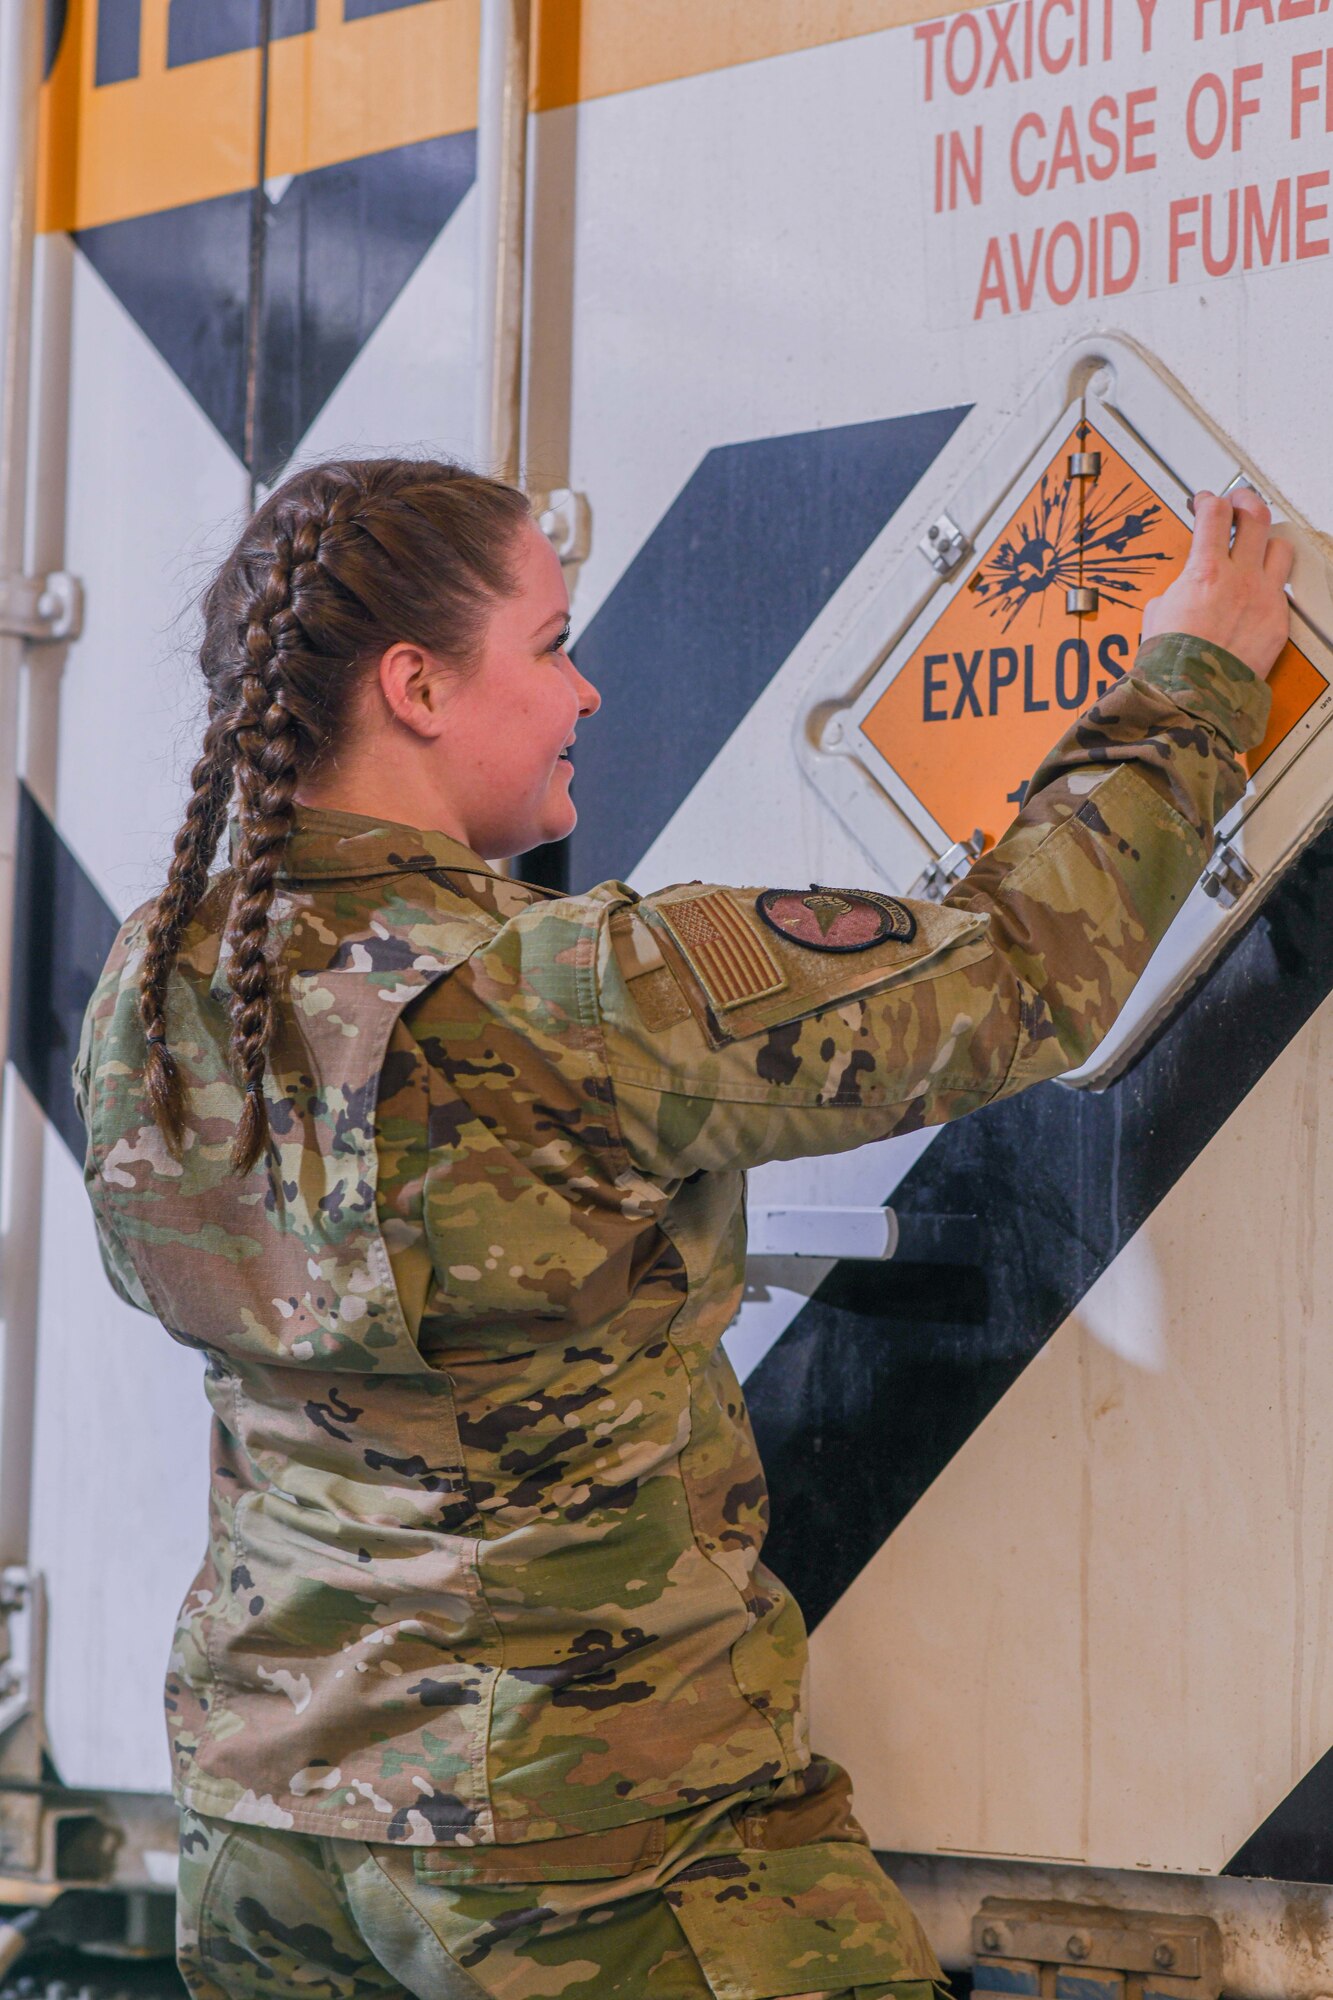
x=486 y=1512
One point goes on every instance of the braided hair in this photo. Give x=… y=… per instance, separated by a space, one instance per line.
x=341 y=562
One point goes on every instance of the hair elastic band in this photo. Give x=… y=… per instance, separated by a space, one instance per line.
x=156 y=1041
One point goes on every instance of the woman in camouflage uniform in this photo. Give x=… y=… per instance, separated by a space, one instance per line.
x=483 y=1689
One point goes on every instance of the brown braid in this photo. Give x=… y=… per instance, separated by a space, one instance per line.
x=267 y=765
x=339 y=564
x=195 y=846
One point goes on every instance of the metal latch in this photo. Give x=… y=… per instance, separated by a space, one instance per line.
x=933 y=884
x=944 y=545
x=1075 y=1951
x=1227 y=876
x=565 y=518
x=41 y=608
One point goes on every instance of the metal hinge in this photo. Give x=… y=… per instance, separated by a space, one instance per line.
x=933 y=884
x=41 y=608
x=944 y=545
x=1227 y=876
x=565 y=518
x=1076 y=1951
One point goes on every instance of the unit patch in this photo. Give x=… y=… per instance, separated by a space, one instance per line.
x=836 y=919
x=726 y=953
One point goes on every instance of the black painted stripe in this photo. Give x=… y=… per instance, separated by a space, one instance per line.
x=117 y=52
x=63 y=930
x=57 y=19
x=1295 y=1842
x=357 y=10
x=200 y=29
x=888 y=1369
x=747 y=555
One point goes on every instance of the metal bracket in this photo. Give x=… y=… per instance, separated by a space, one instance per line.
x=21 y=1608
x=862 y=1235
x=41 y=608
x=1093 y=1952
x=1227 y=876
x=565 y=518
x=944 y=545
x=868 y=1234
x=933 y=884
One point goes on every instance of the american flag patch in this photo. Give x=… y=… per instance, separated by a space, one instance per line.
x=728 y=956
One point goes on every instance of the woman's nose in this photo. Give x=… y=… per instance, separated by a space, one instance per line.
x=589 y=699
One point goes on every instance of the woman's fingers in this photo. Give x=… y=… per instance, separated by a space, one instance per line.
x=1212 y=528
x=1253 y=522
x=1278 y=559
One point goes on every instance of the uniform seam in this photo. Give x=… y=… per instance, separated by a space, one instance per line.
x=789 y=1101
x=747 y=1625
x=226 y=1850
x=587 y=989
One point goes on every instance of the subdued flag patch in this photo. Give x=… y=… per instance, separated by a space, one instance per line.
x=728 y=956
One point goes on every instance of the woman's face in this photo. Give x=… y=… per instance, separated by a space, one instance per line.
x=503 y=752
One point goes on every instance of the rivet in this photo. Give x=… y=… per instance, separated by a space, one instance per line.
x=990 y=1938
x=1164 y=1958
x=1078 y=1946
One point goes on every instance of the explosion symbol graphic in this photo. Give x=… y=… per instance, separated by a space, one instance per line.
x=1069 y=533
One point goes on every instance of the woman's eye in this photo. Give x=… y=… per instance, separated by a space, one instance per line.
x=561 y=640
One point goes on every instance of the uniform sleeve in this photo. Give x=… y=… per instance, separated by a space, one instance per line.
x=119 y=1269
x=728 y=1044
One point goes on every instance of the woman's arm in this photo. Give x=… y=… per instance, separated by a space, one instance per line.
x=1016 y=977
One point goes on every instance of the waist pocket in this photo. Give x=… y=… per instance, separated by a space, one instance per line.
x=575 y=1857
x=764 y=1923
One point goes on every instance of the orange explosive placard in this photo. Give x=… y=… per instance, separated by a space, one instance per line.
x=1010 y=661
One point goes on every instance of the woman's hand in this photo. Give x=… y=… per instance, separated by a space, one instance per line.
x=1230 y=592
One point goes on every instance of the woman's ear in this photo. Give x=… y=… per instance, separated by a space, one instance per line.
x=410 y=683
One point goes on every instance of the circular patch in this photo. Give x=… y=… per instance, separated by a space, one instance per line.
x=836 y=919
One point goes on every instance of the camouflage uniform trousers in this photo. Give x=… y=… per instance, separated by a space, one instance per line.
x=776 y=1896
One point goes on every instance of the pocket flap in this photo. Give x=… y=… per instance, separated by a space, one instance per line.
x=573 y=1857
x=811 y=1919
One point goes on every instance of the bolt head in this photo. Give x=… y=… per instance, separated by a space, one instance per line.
x=1164 y=1957
x=990 y=1938
x=1078 y=1946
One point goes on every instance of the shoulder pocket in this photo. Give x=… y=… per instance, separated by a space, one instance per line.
x=784 y=980
x=814 y=1919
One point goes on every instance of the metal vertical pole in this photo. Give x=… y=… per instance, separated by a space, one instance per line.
x=502 y=166
x=21 y=29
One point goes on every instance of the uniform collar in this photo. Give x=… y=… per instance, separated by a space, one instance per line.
x=343 y=846
x=348 y=847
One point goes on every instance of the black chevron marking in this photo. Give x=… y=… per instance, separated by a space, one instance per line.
x=341 y=244
x=63 y=930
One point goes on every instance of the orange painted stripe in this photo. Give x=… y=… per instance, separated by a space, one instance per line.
x=171 y=136
x=598 y=48
x=348 y=88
